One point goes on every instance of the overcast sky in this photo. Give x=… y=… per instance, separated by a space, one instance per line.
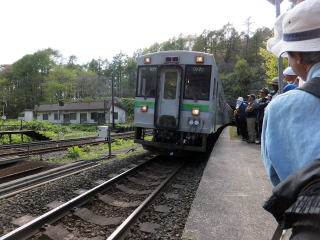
x=103 y=28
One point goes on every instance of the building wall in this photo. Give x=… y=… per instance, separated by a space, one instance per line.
x=121 y=115
x=28 y=116
x=91 y=116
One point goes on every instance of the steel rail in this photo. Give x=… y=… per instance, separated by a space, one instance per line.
x=34 y=226
x=118 y=233
x=20 y=185
x=36 y=143
x=6 y=146
x=64 y=144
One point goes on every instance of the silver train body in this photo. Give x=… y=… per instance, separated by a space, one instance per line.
x=180 y=97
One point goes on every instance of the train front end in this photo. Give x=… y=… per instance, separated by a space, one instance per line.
x=175 y=101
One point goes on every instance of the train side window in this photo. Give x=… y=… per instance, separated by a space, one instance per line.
x=147 y=79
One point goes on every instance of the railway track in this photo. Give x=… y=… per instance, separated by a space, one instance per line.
x=10 y=188
x=110 y=208
x=16 y=152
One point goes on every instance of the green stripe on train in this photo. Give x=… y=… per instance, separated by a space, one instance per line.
x=139 y=103
x=190 y=106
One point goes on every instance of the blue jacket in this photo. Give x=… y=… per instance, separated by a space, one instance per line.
x=291 y=132
x=241 y=111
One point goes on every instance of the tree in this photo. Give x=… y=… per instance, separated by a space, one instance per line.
x=27 y=78
x=60 y=84
x=270 y=64
x=117 y=67
x=238 y=83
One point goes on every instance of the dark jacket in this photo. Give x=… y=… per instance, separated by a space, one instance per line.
x=242 y=110
x=253 y=113
x=295 y=202
x=262 y=103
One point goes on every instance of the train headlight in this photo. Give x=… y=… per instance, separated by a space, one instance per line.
x=199 y=59
x=190 y=122
x=147 y=60
x=195 y=111
x=196 y=122
x=144 y=108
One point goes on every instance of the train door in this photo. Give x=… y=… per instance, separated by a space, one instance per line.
x=169 y=98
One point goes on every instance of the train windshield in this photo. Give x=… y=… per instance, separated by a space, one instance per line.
x=197 y=82
x=147 y=79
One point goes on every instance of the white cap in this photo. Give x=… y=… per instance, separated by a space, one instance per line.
x=289 y=71
x=297 y=30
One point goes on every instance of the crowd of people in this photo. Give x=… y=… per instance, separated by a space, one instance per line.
x=249 y=113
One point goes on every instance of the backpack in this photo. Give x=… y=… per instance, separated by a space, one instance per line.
x=312 y=86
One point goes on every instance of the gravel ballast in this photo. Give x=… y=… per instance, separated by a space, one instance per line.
x=34 y=202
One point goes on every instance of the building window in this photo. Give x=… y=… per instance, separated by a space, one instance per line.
x=83 y=117
x=73 y=116
x=45 y=116
x=94 y=116
x=56 y=116
x=115 y=114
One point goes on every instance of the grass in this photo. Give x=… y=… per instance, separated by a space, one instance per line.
x=93 y=152
x=233 y=133
x=127 y=154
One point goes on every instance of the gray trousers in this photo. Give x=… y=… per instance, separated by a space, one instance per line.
x=251 y=125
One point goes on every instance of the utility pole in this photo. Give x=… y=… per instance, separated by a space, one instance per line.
x=280 y=60
x=112 y=100
x=60 y=104
x=248 y=25
x=3 y=117
x=277 y=3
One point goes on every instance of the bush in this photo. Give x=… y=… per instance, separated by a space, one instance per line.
x=129 y=105
x=83 y=127
x=74 y=152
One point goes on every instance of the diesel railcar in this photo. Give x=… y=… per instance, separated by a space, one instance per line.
x=179 y=96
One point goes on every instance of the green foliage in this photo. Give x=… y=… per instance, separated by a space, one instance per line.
x=59 y=84
x=15 y=138
x=83 y=127
x=270 y=64
x=39 y=125
x=74 y=152
x=96 y=151
x=236 y=83
x=129 y=106
x=233 y=133
x=48 y=129
x=26 y=78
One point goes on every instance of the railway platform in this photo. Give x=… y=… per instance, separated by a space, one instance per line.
x=228 y=202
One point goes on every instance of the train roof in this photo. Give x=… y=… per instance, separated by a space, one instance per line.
x=185 y=57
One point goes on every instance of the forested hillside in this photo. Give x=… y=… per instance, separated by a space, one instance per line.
x=46 y=76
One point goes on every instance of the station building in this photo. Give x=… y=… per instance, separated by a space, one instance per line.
x=85 y=113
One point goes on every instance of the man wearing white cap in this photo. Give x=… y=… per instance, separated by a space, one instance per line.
x=291 y=77
x=291 y=133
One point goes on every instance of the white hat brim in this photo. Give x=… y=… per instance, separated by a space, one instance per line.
x=312 y=45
